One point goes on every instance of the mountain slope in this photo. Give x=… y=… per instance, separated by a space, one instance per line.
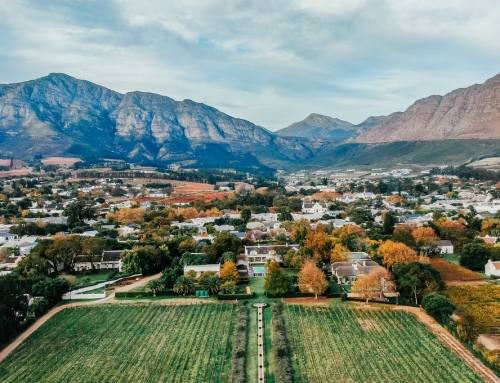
x=473 y=112
x=60 y=115
x=319 y=126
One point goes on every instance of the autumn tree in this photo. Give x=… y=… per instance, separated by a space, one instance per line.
x=299 y=231
x=229 y=272
x=396 y=252
x=369 y=285
x=127 y=215
x=277 y=282
x=404 y=234
x=425 y=238
x=320 y=245
x=351 y=236
x=312 y=279
x=296 y=258
x=339 y=253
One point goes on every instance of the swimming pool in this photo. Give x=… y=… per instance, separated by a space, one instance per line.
x=259 y=270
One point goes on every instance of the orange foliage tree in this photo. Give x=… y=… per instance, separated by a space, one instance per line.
x=425 y=237
x=312 y=279
x=127 y=215
x=339 y=253
x=395 y=199
x=229 y=272
x=320 y=244
x=394 y=252
x=369 y=285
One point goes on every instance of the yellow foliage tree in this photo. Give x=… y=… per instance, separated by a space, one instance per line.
x=394 y=252
x=339 y=253
x=229 y=272
x=128 y=215
x=312 y=279
x=320 y=245
x=395 y=199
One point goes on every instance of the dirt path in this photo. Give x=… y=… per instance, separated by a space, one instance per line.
x=452 y=343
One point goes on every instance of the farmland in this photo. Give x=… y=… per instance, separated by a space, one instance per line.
x=451 y=272
x=129 y=343
x=353 y=345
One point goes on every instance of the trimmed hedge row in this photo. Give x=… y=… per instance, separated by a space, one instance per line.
x=296 y=294
x=142 y=294
x=239 y=347
x=232 y=297
x=281 y=349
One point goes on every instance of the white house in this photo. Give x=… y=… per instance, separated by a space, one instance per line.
x=200 y=269
x=7 y=237
x=261 y=254
x=314 y=207
x=492 y=268
x=445 y=247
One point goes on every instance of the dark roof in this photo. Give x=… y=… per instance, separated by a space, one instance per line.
x=111 y=255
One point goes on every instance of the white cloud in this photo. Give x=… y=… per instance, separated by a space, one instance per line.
x=269 y=62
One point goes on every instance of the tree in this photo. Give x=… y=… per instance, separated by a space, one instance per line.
x=320 y=245
x=415 y=279
x=474 y=256
x=189 y=259
x=246 y=214
x=223 y=242
x=426 y=238
x=229 y=272
x=403 y=234
x=396 y=252
x=438 y=306
x=144 y=260
x=296 y=258
x=389 y=221
x=8 y=306
x=369 y=285
x=184 y=286
x=51 y=289
x=229 y=287
x=469 y=327
x=155 y=286
x=79 y=210
x=277 y=282
x=228 y=256
x=299 y=230
x=312 y=279
x=212 y=284
x=339 y=253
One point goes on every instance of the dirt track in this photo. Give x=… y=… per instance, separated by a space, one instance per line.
x=452 y=343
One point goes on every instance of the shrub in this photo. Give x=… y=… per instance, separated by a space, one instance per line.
x=438 y=306
x=281 y=348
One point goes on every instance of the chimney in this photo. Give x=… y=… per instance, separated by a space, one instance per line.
x=355 y=267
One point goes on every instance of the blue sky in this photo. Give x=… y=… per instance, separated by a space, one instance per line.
x=270 y=62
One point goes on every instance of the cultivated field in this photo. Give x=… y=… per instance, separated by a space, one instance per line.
x=451 y=272
x=67 y=161
x=114 y=343
x=356 y=345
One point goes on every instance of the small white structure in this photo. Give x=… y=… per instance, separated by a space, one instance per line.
x=7 y=237
x=446 y=247
x=492 y=268
x=261 y=254
x=200 y=269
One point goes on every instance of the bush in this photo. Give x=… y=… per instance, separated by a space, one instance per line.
x=438 y=306
x=231 y=297
x=239 y=351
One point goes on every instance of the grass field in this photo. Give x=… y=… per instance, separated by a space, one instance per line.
x=338 y=344
x=127 y=343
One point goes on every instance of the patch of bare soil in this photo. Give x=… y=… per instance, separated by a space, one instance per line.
x=368 y=324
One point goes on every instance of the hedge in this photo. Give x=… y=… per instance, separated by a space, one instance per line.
x=239 y=347
x=232 y=297
x=142 y=294
x=296 y=294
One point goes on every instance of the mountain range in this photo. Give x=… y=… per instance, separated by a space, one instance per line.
x=59 y=115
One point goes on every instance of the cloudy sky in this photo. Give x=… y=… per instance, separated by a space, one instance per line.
x=271 y=62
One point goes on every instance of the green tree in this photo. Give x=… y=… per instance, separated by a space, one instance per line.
x=155 y=286
x=438 y=306
x=474 y=256
x=277 y=282
x=188 y=259
x=212 y=284
x=416 y=279
x=389 y=222
x=78 y=211
x=9 y=305
x=246 y=214
x=51 y=289
x=184 y=286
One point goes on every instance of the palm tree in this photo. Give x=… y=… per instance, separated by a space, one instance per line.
x=155 y=286
x=212 y=284
x=184 y=285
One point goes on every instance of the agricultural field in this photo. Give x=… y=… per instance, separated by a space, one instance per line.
x=451 y=272
x=481 y=301
x=339 y=344
x=127 y=343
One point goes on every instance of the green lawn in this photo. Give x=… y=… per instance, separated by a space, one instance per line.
x=127 y=343
x=451 y=258
x=101 y=276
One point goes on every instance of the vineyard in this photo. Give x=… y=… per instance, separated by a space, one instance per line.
x=354 y=345
x=482 y=302
x=451 y=272
x=115 y=343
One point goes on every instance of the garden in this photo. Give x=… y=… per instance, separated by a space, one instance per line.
x=341 y=344
x=127 y=343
